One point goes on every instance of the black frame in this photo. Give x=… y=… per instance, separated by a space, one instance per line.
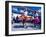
x=7 y=16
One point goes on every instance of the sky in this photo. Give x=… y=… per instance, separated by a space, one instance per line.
x=20 y=9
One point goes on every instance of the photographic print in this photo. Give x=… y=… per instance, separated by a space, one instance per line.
x=24 y=18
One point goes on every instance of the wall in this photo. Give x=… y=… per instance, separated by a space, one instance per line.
x=2 y=19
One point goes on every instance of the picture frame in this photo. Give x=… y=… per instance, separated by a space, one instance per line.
x=24 y=18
